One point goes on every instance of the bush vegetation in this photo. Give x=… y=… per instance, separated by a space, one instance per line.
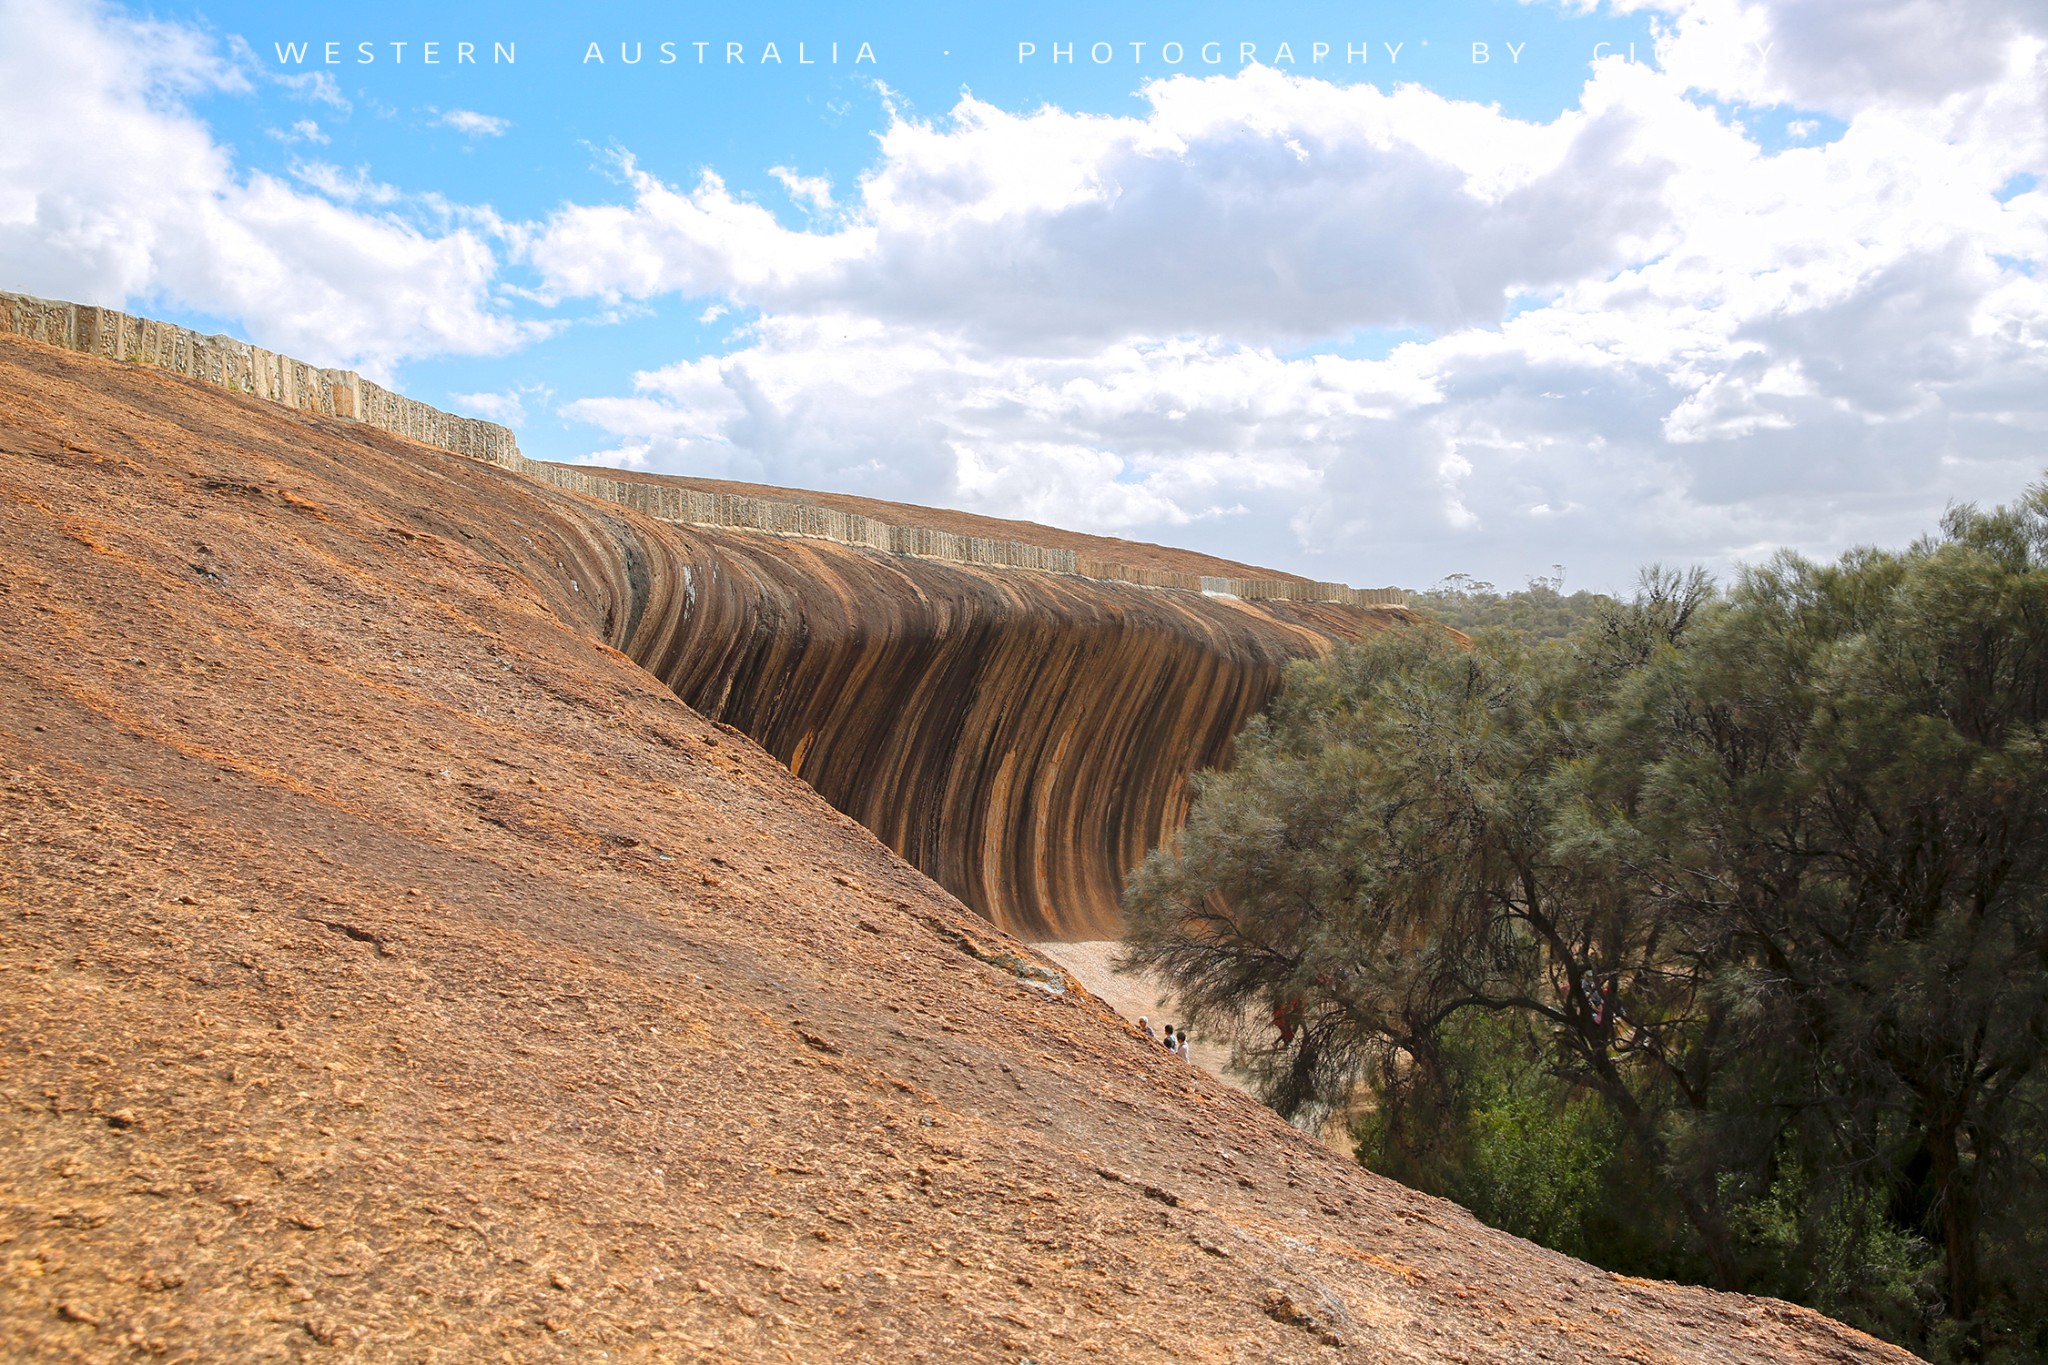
x=1707 y=941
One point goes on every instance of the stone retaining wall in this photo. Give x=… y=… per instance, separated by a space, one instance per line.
x=243 y=368
x=695 y=508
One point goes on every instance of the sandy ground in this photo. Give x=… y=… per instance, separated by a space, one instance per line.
x=1135 y=996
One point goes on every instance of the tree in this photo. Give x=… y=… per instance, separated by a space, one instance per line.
x=1841 y=789
x=1541 y=611
x=1766 y=876
x=1381 y=860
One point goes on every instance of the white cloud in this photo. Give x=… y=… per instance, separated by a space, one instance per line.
x=1089 y=320
x=344 y=186
x=305 y=130
x=671 y=242
x=1293 y=208
x=1842 y=58
x=317 y=87
x=128 y=198
x=507 y=408
x=814 y=190
x=470 y=123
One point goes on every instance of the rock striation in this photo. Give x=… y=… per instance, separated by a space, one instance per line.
x=1020 y=721
x=679 y=500
x=1022 y=738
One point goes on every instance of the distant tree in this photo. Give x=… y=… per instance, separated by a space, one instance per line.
x=1541 y=611
x=1762 y=879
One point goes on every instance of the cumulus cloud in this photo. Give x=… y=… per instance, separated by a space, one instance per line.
x=128 y=198
x=1641 y=335
x=670 y=241
x=1821 y=54
x=507 y=407
x=1274 y=207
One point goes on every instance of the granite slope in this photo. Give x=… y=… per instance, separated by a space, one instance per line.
x=392 y=969
x=1024 y=738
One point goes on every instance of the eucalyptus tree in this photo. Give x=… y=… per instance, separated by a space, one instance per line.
x=1767 y=874
x=1384 y=857
x=1839 y=791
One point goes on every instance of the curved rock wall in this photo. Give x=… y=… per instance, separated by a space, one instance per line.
x=1022 y=738
x=1019 y=723
x=360 y=911
x=242 y=368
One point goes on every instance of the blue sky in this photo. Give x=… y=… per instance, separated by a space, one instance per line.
x=565 y=111
x=1774 y=284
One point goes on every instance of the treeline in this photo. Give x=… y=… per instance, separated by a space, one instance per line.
x=1541 y=611
x=1709 y=942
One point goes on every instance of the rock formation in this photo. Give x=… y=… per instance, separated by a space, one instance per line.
x=342 y=394
x=394 y=970
x=1023 y=737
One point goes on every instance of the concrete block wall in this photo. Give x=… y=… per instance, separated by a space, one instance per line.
x=242 y=368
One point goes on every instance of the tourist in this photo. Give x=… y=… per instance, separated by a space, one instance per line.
x=1146 y=1025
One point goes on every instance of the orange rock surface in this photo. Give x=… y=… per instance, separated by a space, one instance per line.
x=391 y=969
x=1023 y=738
